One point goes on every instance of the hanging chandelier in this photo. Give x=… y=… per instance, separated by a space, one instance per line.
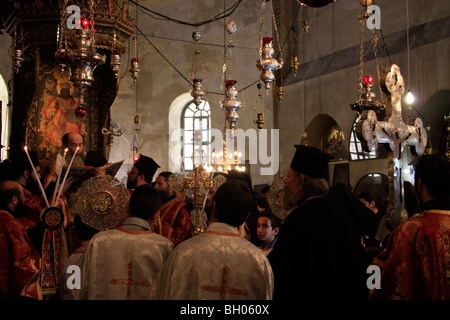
x=81 y=58
x=231 y=105
x=366 y=97
x=266 y=62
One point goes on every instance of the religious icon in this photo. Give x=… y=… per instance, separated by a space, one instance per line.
x=56 y=101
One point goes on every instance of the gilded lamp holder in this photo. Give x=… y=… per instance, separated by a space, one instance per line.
x=197 y=93
x=230 y=104
x=267 y=63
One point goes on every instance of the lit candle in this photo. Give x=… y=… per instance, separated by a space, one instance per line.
x=59 y=176
x=65 y=176
x=37 y=177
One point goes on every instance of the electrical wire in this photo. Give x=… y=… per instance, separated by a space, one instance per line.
x=221 y=15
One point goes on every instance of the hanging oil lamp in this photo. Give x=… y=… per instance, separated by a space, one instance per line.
x=17 y=58
x=267 y=63
x=197 y=93
x=279 y=92
x=295 y=64
x=259 y=120
x=115 y=62
x=134 y=68
x=230 y=104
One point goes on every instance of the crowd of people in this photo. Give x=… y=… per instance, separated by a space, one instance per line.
x=321 y=250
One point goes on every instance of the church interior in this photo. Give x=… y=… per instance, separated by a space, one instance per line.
x=204 y=87
x=323 y=50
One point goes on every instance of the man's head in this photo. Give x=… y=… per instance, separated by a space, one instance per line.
x=306 y=175
x=432 y=178
x=83 y=231
x=142 y=172
x=268 y=226
x=369 y=200
x=144 y=202
x=23 y=171
x=72 y=141
x=12 y=198
x=233 y=201
x=162 y=186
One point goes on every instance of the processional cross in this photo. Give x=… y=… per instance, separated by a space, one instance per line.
x=394 y=131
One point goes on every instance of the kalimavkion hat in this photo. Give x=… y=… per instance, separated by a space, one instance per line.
x=146 y=165
x=311 y=161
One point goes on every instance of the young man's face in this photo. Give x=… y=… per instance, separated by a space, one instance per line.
x=265 y=231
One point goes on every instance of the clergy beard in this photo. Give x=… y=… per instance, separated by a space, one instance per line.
x=290 y=198
x=164 y=194
x=131 y=184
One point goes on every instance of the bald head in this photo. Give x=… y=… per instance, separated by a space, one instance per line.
x=72 y=141
x=11 y=195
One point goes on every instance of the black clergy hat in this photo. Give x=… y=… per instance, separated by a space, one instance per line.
x=146 y=165
x=310 y=161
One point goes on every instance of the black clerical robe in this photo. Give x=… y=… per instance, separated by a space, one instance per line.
x=317 y=255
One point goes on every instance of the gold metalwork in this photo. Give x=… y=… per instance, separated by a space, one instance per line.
x=102 y=202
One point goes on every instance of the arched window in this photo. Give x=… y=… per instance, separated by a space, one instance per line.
x=195 y=121
x=355 y=147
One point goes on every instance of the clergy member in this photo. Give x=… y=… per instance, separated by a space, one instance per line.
x=142 y=172
x=173 y=220
x=218 y=264
x=120 y=264
x=416 y=262
x=71 y=141
x=19 y=262
x=316 y=254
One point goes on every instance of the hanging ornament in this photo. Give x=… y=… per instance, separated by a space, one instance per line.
x=280 y=92
x=267 y=64
x=134 y=68
x=115 y=62
x=17 y=58
x=295 y=64
x=197 y=92
x=231 y=27
x=259 y=121
x=115 y=57
x=80 y=112
x=230 y=104
x=366 y=98
x=305 y=26
x=196 y=35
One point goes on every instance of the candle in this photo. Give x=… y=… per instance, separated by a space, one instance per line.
x=65 y=176
x=37 y=177
x=59 y=176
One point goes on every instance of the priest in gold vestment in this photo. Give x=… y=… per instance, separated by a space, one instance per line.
x=120 y=264
x=218 y=264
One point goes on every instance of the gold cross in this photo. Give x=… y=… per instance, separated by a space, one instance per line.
x=130 y=282
x=224 y=289
x=199 y=184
